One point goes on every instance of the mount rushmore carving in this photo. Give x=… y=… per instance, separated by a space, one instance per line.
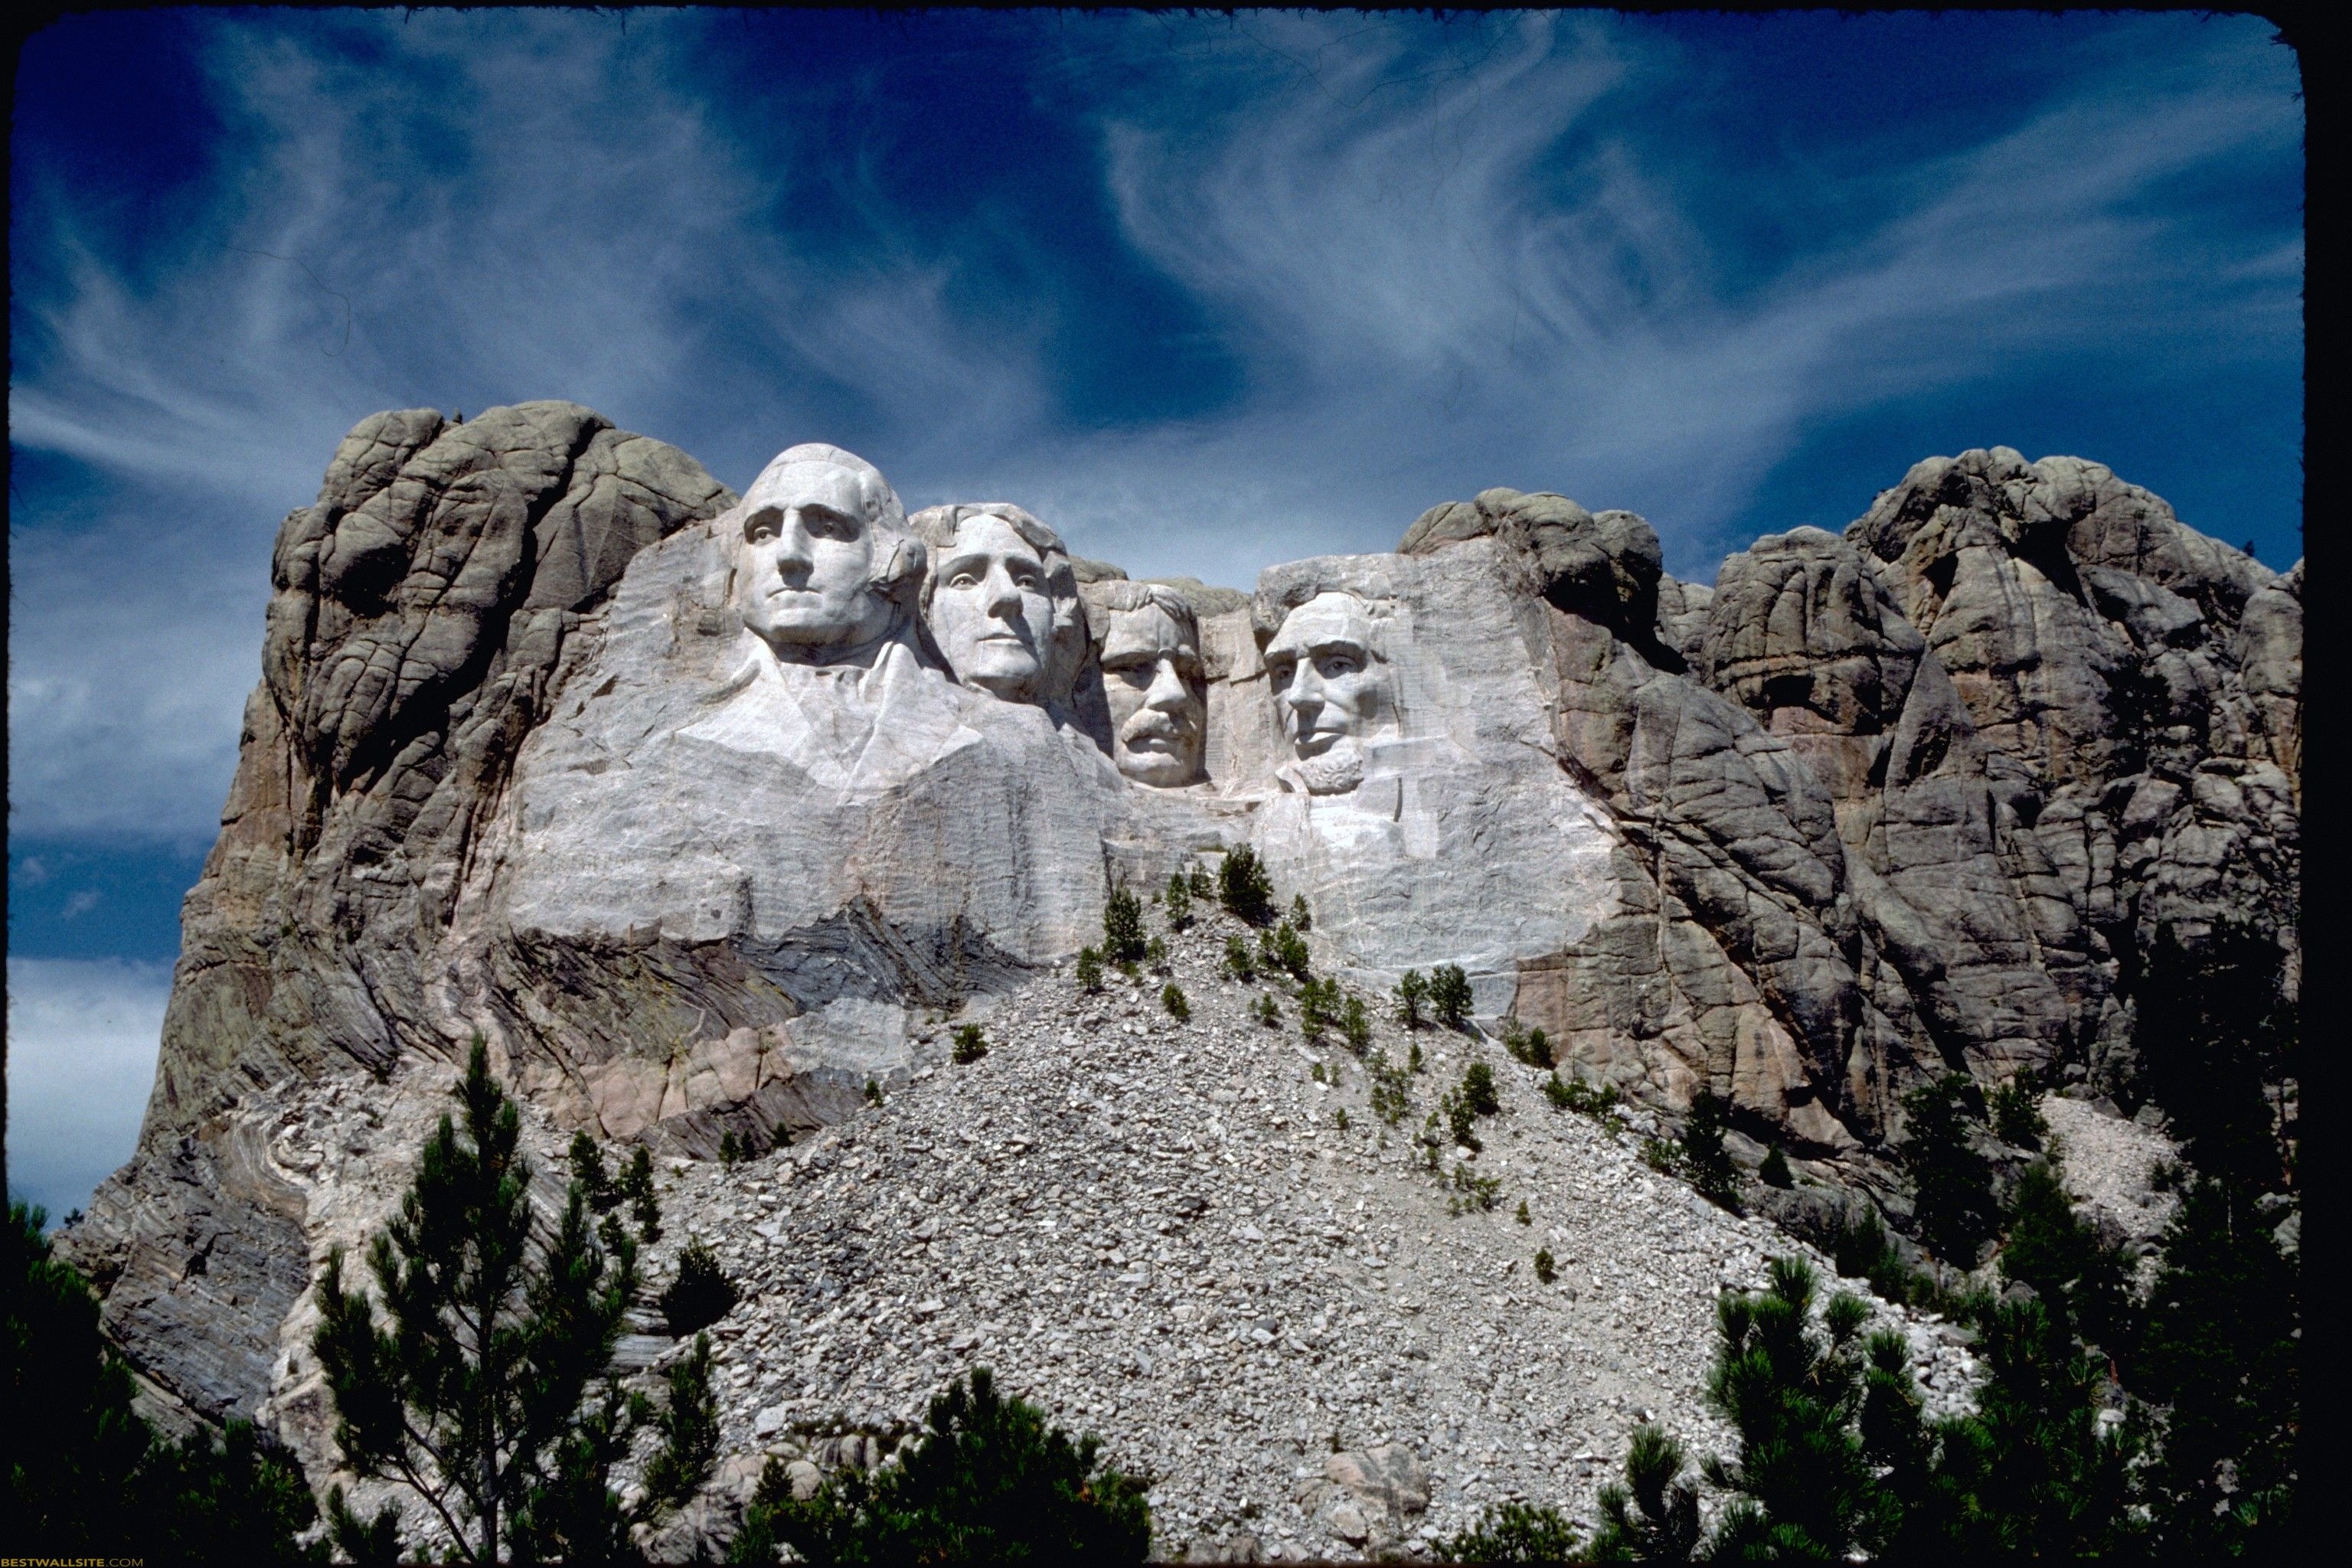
x=705 y=810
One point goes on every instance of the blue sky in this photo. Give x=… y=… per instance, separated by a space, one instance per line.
x=1204 y=292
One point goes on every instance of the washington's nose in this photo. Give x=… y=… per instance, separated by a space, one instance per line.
x=793 y=543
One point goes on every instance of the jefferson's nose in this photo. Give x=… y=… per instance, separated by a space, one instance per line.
x=1003 y=593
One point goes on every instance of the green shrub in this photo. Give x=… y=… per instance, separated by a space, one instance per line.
x=971 y=1045
x=1199 y=884
x=588 y=1170
x=1705 y=1160
x=1546 y=1269
x=1661 y=1156
x=1952 y=1198
x=1266 y=1012
x=1090 y=973
x=1529 y=1045
x=1339 y=1117
x=1481 y=1192
x=1523 y=1216
x=1155 y=953
x=1449 y=995
x=1478 y=1090
x=989 y=1481
x=1390 y=1099
x=1461 y=1121
x=2016 y=1118
x=1513 y=1533
x=1171 y=996
x=730 y=1148
x=873 y=1094
x=1581 y=1097
x=1411 y=991
x=1357 y=1025
x=1239 y=963
x=2081 y=1282
x=700 y=1295
x=1774 y=1172
x=688 y=1426
x=636 y=1185
x=1299 y=916
x=1244 y=888
x=1179 y=901
x=1653 y=1517
x=1123 y=939
x=86 y=1476
x=1283 y=948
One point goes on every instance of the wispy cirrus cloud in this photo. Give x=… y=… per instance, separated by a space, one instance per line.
x=1426 y=258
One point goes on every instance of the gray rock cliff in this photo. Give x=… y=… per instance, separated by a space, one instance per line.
x=536 y=755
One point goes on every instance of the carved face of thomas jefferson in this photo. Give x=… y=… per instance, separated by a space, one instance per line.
x=1151 y=655
x=993 y=609
x=1330 y=687
x=816 y=557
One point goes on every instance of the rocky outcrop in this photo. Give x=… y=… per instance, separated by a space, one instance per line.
x=522 y=763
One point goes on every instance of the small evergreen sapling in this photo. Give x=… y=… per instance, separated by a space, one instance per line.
x=1171 y=996
x=700 y=1295
x=1239 y=962
x=1299 y=914
x=1704 y=1159
x=588 y=1168
x=2016 y=1119
x=1514 y=1532
x=636 y=1185
x=1089 y=972
x=1449 y=995
x=1546 y=1269
x=1178 y=901
x=1244 y=887
x=1653 y=1516
x=1357 y=1025
x=1123 y=938
x=971 y=1045
x=1411 y=991
x=1266 y=1011
x=1951 y=1182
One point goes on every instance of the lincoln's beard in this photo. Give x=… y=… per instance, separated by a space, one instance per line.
x=1335 y=772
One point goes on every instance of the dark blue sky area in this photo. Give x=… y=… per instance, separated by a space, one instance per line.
x=1204 y=292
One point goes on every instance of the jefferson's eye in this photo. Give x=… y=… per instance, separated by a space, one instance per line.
x=1335 y=665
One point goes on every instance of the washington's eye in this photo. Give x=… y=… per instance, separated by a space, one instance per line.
x=963 y=580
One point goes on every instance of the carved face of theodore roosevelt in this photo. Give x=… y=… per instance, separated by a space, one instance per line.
x=821 y=550
x=1151 y=655
x=1330 y=687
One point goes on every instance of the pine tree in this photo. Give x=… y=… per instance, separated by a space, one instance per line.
x=2081 y=1282
x=1179 y=901
x=2220 y=1350
x=2215 y=1036
x=1653 y=1516
x=1951 y=1182
x=84 y=1476
x=1123 y=939
x=992 y=1480
x=1449 y=995
x=1410 y=993
x=1807 y=1487
x=1244 y=887
x=1514 y=1532
x=485 y=1386
x=1704 y=1158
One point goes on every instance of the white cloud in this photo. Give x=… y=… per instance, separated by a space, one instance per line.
x=1440 y=267
x=82 y=1038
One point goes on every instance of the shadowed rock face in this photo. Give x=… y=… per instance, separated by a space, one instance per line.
x=1875 y=804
